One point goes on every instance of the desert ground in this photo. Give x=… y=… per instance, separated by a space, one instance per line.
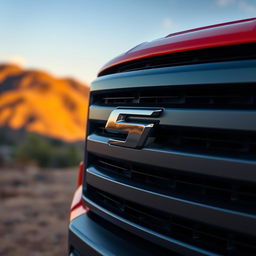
x=34 y=210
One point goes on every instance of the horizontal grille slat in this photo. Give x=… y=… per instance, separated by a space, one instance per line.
x=219 y=96
x=238 y=144
x=242 y=120
x=230 y=168
x=226 y=194
x=194 y=233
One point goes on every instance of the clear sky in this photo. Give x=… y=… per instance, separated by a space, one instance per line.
x=76 y=37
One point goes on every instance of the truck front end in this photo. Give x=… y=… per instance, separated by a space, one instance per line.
x=170 y=157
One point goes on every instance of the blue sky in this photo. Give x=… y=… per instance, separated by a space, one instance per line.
x=76 y=37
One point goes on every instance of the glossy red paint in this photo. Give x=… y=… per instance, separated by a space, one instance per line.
x=80 y=174
x=77 y=206
x=231 y=33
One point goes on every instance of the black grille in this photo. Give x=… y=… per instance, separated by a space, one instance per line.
x=230 y=143
x=218 y=142
x=222 y=96
x=203 y=189
x=148 y=247
x=210 y=55
x=194 y=233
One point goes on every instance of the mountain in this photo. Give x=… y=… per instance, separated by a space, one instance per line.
x=36 y=101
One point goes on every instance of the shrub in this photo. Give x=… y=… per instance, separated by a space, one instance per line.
x=45 y=152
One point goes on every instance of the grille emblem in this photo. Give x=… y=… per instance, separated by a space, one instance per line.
x=137 y=132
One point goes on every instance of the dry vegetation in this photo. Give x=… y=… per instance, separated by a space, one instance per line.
x=34 y=211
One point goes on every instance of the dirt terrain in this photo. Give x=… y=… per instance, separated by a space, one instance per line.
x=34 y=211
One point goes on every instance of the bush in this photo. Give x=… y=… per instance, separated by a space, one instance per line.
x=46 y=152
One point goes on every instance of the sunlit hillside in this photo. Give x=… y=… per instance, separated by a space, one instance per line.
x=38 y=102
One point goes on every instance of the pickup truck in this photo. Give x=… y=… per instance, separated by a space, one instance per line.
x=170 y=151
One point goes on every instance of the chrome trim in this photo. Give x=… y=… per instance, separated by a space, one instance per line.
x=137 y=132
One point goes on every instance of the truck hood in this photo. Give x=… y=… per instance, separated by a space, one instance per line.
x=224 y=34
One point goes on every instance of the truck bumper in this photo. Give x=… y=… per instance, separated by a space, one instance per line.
x=90 y=235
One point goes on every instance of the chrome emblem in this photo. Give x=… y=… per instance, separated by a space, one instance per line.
x=137 y=132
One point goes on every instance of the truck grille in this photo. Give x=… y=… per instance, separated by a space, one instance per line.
x=218 y=96
x=191 y=188
x=203 y=189
x=205 y=236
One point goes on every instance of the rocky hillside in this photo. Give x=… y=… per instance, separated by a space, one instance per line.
x=36 y=101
